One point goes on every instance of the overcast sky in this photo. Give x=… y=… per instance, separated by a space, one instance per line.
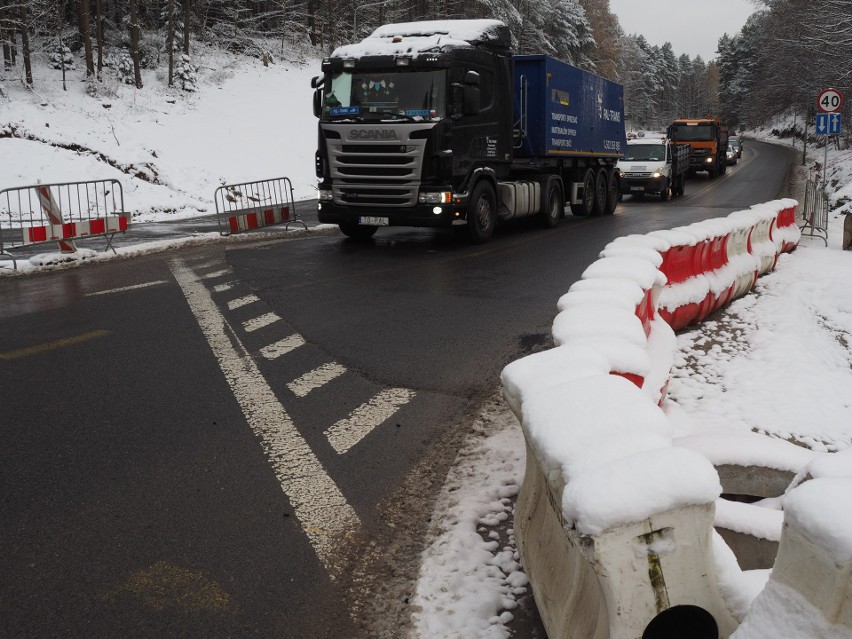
x=692 y=26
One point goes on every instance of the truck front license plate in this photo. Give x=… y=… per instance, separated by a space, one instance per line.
x=373 y=221
x=637 y=188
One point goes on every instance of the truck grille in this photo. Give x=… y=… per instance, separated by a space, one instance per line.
x=375 y=174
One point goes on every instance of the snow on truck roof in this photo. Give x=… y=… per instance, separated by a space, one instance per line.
x=412 y=38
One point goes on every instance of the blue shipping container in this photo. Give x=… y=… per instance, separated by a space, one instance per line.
x=567 y=112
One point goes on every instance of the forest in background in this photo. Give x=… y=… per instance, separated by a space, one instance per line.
x=787 y=51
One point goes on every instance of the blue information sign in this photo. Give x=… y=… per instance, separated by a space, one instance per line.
x=828 y=123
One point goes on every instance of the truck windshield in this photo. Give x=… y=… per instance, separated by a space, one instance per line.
x=694 y=133
x=645 y=153
x=386 y=96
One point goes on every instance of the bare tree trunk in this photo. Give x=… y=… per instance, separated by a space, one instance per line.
x=7 y=54
x=58 y=17
x=25 y=45
x=170 y=40
x=86 y=35
x=186 y=15
x=134 y=42
x=8 y=23
x=99 y=34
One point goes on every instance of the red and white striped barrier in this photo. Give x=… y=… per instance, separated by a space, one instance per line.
x=75 y=230
x=258 y=219
x=253 y=205
x=54 y=214
x=62 y=213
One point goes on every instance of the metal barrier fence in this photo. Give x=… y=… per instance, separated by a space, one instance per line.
x=815 y=212
x=61 y=213
x=252 y=205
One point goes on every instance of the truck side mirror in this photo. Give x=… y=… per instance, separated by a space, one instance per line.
x=471 y=78
x=316 y=82
x=470 y=101
x=317 y=103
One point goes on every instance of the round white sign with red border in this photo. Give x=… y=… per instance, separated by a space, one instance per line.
x=829 y=101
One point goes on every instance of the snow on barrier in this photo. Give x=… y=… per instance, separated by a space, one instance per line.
x=252 y=205
x=615 y=521
x=61 y=213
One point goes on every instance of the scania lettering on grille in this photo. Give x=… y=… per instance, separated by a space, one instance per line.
x=373 y=134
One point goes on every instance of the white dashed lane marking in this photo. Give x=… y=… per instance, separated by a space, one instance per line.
x=318 y=503
x=259 y=322
x=126 y=288
x=215 y=274
x=348 y=432
x=282 y=346
x=221 y=288
x=316 y=378
x=242 y=301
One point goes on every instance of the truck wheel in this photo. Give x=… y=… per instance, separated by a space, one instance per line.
x=482 y=213
x=552 y=203
x=601 y=189
x=358 y=231
x=682 y=181
x=585 y=208
x=666 y=192
x=613 y=192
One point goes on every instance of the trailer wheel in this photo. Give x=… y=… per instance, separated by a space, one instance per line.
x=601 y=189
x=552 y=203
x=358 y=231
x=613 y=192
x=482 y=213
x=586 y=207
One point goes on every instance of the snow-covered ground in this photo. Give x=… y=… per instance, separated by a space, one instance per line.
x=778 y=361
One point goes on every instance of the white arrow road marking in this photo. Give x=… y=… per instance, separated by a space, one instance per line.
x=282 y=346
x=348 y=432
x=242 y=301
x=316 y=378
x=318 y=503
x=259 y=322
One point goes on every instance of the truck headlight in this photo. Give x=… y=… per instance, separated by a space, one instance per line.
x=708 y=160
x=442 y=197
x=658 y=173
x=324 y=195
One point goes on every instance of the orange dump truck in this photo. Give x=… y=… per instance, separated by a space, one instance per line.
x=708 y=143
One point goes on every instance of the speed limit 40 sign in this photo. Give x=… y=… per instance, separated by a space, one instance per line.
x=829 y=101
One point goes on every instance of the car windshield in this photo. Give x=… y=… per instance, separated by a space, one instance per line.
x=645 y=153
x=692 y=133
x=734 y=142
x=386 y=96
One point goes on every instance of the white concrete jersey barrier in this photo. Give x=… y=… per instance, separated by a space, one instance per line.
x=614 y=521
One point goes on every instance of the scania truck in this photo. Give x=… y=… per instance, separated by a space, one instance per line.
x=437 y=124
